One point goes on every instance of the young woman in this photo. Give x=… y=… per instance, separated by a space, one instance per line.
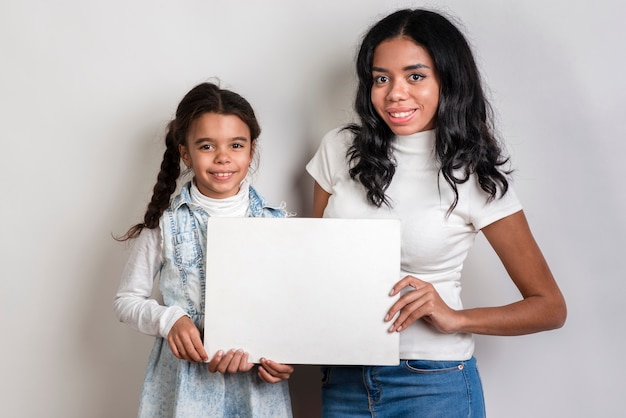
x=424 y=151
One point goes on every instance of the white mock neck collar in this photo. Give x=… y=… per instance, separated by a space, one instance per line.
x=233 y=206
x=416 y=143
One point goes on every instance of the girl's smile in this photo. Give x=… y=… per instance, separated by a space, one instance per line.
x=219 y=150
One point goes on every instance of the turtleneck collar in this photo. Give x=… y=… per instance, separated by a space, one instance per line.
x=233 y=206
x=416 y=143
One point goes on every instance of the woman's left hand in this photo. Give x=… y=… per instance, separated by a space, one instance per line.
x=422 y=302
x=272 y=372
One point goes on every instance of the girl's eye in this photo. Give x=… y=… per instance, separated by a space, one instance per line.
x=416 y=77
x=237 y=146
x=380 y=79
x=206 y=147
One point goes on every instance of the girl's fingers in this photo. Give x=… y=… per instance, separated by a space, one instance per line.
x=175 y=350
x=214 y=363
x=233 y=361
x=276 y=368
x=267 y=377
x=273 y=372
x=238 y=358
x=222 y=367
x=198 y=348
x=185 y=341
x=178 y=348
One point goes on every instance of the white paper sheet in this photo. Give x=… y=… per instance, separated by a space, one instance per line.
x=302 y=290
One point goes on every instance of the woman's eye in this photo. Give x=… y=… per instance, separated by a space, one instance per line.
x=416 y=77
x=237 y=146
x=380 y=79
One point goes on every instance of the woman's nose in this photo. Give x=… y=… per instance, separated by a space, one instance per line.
x=397 y=91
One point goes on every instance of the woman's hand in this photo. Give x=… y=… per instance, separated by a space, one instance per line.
x=421 y=301
x=272 y=372
x=233 y=361
x=541 y=308
x=185 y=341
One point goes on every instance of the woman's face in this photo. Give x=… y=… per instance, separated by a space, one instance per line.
x=405 y=90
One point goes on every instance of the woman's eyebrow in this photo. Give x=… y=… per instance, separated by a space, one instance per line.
x=407 y=68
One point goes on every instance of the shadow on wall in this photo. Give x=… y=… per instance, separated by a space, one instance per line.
x=329 y=107
x=117 y=354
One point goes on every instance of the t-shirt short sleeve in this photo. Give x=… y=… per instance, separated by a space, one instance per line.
x=330 y=156
x=484 y=212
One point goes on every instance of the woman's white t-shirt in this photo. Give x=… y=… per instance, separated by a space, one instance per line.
x=434 y=244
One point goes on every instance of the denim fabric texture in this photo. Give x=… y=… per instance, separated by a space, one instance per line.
x=415 y=388
x=178 y=388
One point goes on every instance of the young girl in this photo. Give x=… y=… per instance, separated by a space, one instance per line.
x=424 y=152
x=214 y=133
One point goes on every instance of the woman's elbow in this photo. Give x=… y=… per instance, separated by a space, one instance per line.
x=558 y=314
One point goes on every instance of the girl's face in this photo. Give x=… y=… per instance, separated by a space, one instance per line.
x=219 y=150
x=405 y=90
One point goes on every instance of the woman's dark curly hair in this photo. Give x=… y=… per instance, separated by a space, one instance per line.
x=465 y=141
x=203 y=98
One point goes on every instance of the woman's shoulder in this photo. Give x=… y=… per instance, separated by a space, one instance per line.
x=339 y=136
x=335 y=143
x=484 y=209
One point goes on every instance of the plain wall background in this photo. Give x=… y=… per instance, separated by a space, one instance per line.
x=86 y=89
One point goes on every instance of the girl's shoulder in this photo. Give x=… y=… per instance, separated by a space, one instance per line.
x=261 y=208
x=182 y=197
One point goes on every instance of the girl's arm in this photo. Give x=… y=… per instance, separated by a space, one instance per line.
x=542 y=306
x=133 y=303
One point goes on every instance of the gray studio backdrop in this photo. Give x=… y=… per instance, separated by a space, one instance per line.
x=86 y=89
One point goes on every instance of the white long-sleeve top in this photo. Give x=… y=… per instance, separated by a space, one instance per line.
x=135 y=303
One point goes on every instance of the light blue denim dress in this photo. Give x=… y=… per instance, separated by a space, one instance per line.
x=178 y=388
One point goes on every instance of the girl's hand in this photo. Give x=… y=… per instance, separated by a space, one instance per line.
x=185 y=341
x=233 y=361
x=272 y=372
x=422 y=302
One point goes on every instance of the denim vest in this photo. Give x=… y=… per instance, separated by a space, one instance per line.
x=184 y=226
x=177 y=388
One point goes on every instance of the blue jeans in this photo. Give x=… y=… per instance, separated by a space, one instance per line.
x=415 y=388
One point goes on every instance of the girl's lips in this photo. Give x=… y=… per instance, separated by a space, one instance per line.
x=223 y=175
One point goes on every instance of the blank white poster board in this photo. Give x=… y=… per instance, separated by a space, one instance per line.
x=302 y=290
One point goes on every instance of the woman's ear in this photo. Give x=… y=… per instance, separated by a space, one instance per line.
x=184 y=154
